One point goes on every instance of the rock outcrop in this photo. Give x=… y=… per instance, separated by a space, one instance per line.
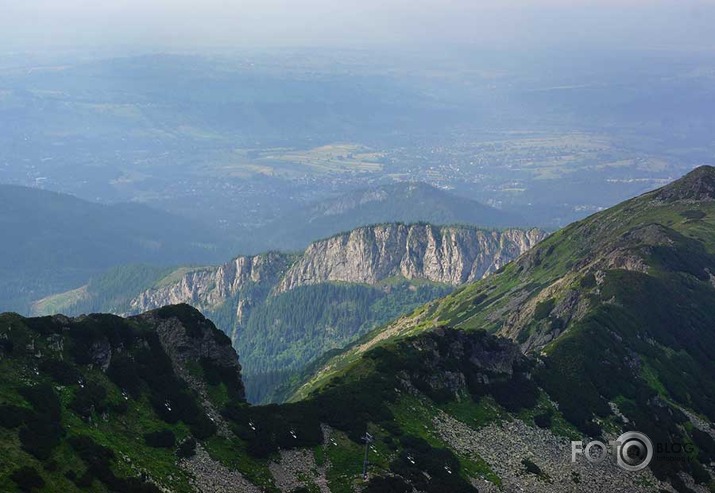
x=211 y=286
x=449 y=255
x=188 y=337
x=696 y=186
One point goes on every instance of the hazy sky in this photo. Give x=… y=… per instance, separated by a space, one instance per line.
x=44 y=24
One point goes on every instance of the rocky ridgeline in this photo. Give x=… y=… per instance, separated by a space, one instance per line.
x=449 y=255
x=211 y=286
x=187 y=338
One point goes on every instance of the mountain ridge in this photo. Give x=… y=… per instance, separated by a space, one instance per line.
x=398 y=239
x=405 y=202
x=587 y=240
x=110 y=404
x=447 y=254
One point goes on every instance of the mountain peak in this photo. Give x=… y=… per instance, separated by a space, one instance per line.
x=698 y=185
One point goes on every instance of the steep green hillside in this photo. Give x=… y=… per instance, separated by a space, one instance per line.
x=101 y=403
x=293 y=329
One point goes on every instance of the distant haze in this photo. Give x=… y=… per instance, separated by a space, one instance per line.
x=59 y=24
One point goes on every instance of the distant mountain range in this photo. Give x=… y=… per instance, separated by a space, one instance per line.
x=285 y=310
x=53 y=241
x=57 y=241
x=407 y=202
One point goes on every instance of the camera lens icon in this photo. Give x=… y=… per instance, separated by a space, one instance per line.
x=634 y=451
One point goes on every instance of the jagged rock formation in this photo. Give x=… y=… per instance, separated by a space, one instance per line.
x=453 y=362
x=210 y=287
x=449 y=255
x=187 y=337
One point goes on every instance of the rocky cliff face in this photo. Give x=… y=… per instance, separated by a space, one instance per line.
x=451 y=360
x=449 y=255
x=187 y=337
x=208 y=288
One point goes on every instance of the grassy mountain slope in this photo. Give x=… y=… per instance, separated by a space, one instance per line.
x=57 y=241
x=618 y=312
